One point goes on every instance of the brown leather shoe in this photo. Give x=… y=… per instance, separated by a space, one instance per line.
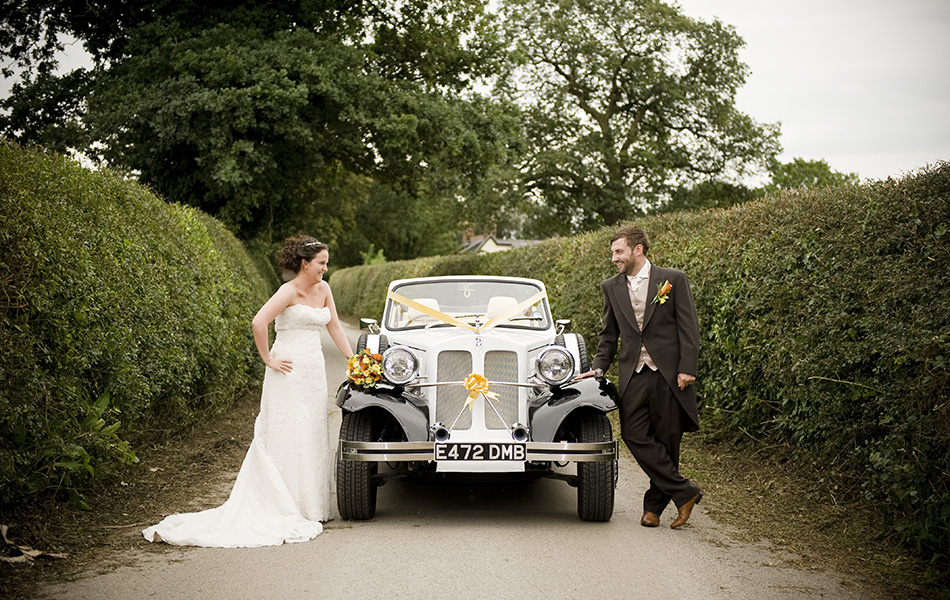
x=650 y=519
x=685 y=511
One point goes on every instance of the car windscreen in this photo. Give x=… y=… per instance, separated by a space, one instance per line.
x=448 y=303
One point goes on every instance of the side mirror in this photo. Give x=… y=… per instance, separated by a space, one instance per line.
x=369 y=325
x=563 y=325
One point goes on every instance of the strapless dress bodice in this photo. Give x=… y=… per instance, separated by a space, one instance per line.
x=302 y=316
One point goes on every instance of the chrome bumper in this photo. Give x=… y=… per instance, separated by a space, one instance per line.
x=425 y=451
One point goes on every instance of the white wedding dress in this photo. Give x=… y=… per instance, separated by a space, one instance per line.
x=282 y=492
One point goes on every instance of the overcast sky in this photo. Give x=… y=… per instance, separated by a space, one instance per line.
x=862 y=84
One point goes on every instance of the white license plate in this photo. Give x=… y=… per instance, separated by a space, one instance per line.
x=479 y=451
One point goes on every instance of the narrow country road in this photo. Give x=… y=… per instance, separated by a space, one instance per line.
x=482 y=541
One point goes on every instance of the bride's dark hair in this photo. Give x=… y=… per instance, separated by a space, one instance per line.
x=296 y=250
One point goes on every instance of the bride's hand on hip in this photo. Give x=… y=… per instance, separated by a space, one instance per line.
x=282 y=365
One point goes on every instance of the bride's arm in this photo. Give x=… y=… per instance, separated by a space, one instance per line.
x=267 y=313
x=335 y=328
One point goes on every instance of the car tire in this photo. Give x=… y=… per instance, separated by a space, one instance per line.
x=582 y=349
x=584 y=365
x=361 y=343
x=355 y=485
x=595 y=480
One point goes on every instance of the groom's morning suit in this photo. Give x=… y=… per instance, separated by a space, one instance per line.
x=654 y=412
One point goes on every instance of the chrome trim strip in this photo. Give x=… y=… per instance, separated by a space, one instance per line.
x=572 y=451
x=511 y=383
x=425 y=451
x=386 y=451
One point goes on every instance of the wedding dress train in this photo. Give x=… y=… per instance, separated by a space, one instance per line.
x=282 y=492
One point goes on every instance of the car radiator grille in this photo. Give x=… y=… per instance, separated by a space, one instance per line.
x=502 y=366
x=456 y=366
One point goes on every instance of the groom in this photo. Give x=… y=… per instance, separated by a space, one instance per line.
x=650 y=309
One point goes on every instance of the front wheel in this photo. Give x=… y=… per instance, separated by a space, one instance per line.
x=355 y=486
x=595 y=480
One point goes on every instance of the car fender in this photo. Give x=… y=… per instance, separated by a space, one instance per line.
x=551 y=409
x=413 y=419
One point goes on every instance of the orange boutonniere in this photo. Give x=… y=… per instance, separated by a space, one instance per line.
x=662 y=292
x=364 y=369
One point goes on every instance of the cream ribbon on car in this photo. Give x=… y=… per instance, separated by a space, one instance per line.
x=450 y=320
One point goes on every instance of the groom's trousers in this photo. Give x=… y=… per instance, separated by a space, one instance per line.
x=651 y=424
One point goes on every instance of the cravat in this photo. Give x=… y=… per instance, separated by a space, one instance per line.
x=638 y=303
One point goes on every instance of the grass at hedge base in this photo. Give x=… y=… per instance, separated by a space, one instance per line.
x=123 y=318
x=825 y=317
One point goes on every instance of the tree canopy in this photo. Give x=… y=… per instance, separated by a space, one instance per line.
x=625 y=101
x=801 y=173
x=368 y=122
x=255 y=111
x=795 y=174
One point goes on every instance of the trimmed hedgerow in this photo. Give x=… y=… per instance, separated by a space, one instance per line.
x=825 y=317
x=116 y=308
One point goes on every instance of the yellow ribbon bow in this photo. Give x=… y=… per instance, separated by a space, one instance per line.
x=477 y=384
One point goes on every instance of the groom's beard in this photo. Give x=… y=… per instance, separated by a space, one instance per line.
x=625 y=268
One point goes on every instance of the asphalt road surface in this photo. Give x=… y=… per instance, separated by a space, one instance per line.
x=472 y=541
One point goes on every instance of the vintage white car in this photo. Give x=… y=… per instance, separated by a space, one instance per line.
x=477 y=379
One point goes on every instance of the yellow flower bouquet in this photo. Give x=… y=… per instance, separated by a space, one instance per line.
x=364 y=369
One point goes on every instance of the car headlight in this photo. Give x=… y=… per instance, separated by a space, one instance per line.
x=399 y=365
x=555 y=365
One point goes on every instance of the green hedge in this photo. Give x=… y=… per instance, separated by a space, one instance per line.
x=826 y=328
x=116 y=307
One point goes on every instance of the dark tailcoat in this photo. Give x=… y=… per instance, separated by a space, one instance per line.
x=670 y=333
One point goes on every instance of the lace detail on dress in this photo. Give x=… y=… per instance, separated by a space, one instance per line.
x=302 y=316
x=283 y=490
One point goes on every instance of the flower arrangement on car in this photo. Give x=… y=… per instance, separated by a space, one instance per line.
x=364 y=369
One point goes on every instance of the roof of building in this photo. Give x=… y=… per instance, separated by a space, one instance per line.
x=489 y=243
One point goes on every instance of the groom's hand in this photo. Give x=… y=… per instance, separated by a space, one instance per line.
x=684 y=380
x=591 y=373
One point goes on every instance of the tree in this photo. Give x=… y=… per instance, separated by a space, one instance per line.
x=46 y=110
x=801 y=173
x=705 y=194
x=625 y=101
x=253 y=110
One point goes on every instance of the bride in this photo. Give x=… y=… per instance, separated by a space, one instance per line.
x=282 y=493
